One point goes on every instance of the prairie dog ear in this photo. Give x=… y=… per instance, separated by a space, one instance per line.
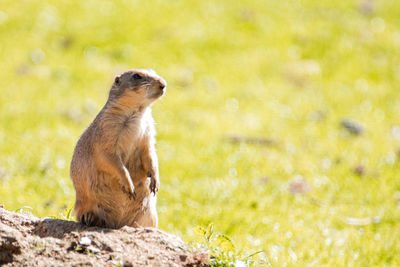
x=117 y=80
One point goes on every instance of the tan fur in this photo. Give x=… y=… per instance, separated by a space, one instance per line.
x=114 y=167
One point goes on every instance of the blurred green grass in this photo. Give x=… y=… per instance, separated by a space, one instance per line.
x=285 y=70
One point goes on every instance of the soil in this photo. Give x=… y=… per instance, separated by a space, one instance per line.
x=26 y=240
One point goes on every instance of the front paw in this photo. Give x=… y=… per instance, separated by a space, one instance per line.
x=154 y=184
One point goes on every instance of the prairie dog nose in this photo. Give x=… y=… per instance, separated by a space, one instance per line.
x=163 y=83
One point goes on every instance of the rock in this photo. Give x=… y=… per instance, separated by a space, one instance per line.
x=26 y=240
x=9 y=246
x=85 y=241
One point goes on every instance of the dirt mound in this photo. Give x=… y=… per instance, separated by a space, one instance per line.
x=26 y=240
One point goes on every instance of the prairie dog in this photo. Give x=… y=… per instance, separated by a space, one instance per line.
x=114 y=167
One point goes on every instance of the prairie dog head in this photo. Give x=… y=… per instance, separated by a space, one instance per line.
x=137 y=87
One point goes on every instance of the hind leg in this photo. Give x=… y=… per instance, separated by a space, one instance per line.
x=92 y=219
x=85 y=213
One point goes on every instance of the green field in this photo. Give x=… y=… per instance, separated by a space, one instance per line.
x=285 y=72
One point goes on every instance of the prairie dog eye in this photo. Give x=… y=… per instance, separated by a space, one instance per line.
x=117 y=80
x=136 y=76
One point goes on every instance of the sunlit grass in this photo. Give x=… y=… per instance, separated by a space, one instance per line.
x=289 y=71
